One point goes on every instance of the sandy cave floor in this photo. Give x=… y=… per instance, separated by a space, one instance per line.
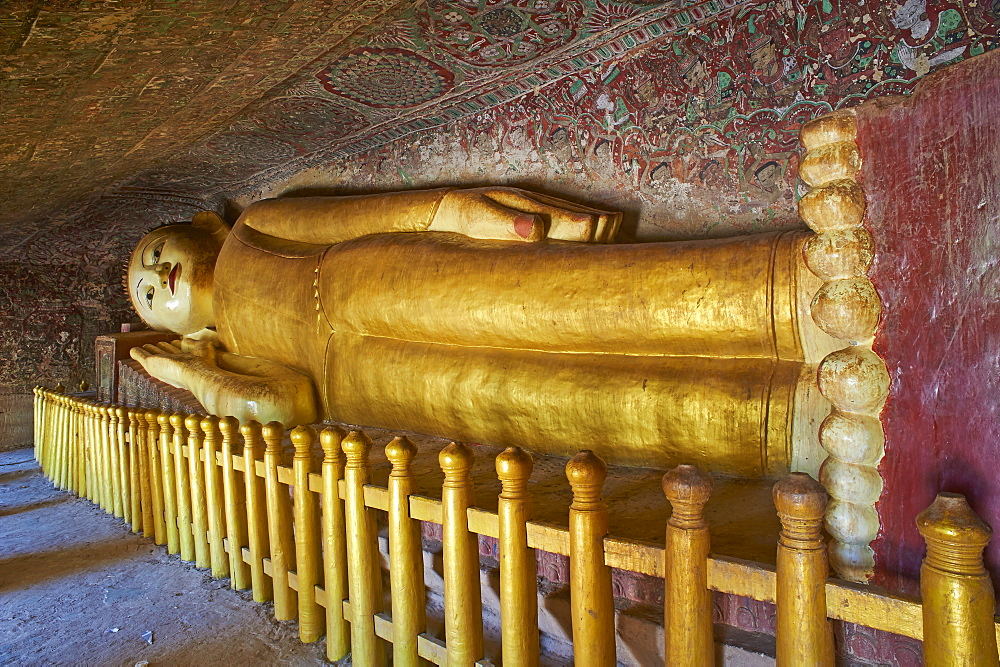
x=77 y=588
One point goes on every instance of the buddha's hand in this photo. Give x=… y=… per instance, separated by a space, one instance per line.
x=204 y=349
x=174 y=365
x=230 y=384
x=518 y=215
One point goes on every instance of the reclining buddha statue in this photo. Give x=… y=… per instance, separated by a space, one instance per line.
x=488 y=315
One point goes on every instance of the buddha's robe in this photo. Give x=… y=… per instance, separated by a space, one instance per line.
x=649 y=354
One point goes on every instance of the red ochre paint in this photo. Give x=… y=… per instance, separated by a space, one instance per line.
x=932 y=177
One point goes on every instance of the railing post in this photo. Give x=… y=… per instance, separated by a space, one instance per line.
x=338 y=631
x=35 y=430
x=67 y=462
x=91 y=451
x=137 y=472
x=258 y=539
x=169 y=481
x=73 y=442
x=73 y=445
x=406 y=570
x=40 y=427
x=687 y=623
x=185 y=535
x=91 y=489
x=140 y=449
x=125 y=467
x=54 y=418
x=463 y=605
x=214 y=498
x=39 y=435
x=279 y=524
x=110 y=426
x=103 y=458
x=364 y=576
x=51 y=433
x=196 y=474
x=591 y=596
x=518 y=566
x=307 y=549
x=958 y=599
x=79 y=444
x=50 y=428
x=102 y=423
x=236 y=507
x=804 y=635
x=156 y=475
x=72 y=458
x=57 y=437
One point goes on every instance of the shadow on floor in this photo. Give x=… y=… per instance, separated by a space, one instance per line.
x=18 y=509
x=14 y=475
x=30 y=569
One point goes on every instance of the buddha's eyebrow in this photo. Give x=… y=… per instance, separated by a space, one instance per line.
x=137 y=297
x=142 y=255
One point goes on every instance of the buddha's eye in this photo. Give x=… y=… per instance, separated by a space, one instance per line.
x=149 y=297
x=155 y=257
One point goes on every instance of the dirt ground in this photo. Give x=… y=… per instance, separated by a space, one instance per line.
x=77 y=588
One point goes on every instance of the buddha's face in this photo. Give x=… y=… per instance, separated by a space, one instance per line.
x=170 y=278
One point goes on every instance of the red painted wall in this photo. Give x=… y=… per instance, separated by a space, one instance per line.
x=932 y=176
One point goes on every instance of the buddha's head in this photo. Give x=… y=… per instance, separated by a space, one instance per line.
x=170 y=274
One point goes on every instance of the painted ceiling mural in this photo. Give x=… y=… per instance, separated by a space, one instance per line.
x=683 y=114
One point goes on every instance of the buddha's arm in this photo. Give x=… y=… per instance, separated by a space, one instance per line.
x=482 y=213
x=232 y=385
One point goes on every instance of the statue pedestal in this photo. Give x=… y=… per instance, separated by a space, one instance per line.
x=112 y=348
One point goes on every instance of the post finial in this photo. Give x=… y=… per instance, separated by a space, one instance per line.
x=955 y=534
x=800 y=496
x=400 y=452
x=456 y=460
x=209 y=424
x=274 y=436
x=303 y=438
x=250 y=428
x=956 y=590
x=356 y=447
x=192 y=423
x=330 y=439
x=586 y=473
x=514 y=466
x=688 y=489
x=801 y=504
x=228 y=426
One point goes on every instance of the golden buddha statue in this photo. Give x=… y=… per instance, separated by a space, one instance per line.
x=489 y=315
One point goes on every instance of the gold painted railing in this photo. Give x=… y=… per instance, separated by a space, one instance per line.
x=305 y=537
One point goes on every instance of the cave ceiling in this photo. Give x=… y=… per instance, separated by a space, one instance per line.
x=192 y=98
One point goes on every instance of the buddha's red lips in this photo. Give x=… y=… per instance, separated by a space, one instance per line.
x=172 y=278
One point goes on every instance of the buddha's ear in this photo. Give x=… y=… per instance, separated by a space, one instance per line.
x=212 y=222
